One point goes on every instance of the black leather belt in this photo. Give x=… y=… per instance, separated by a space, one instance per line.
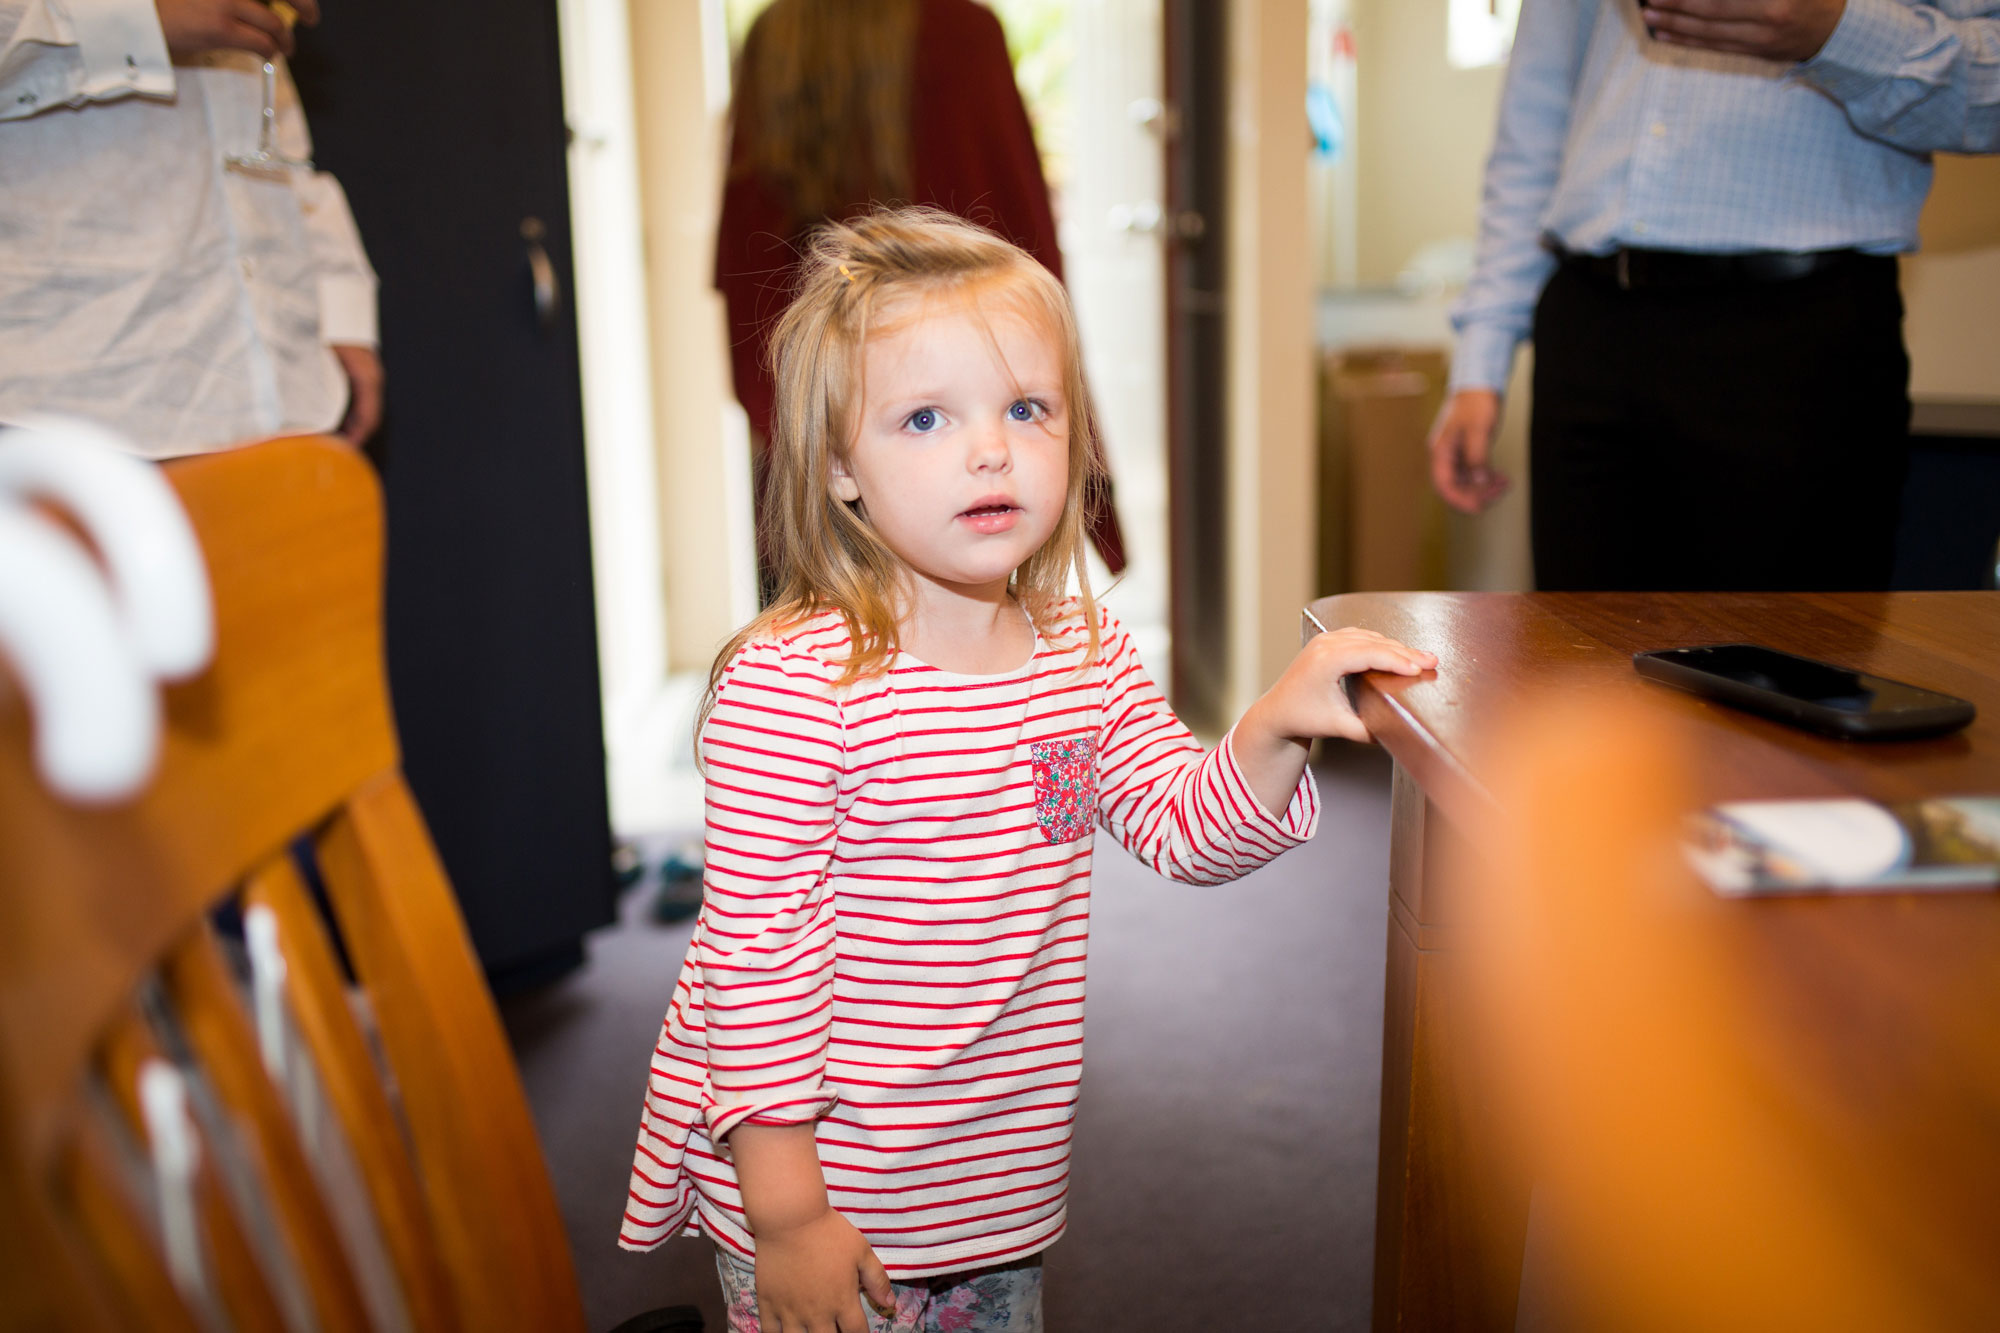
x=1631 y=269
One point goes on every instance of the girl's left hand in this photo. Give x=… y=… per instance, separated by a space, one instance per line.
x=1309 y=701
x=1271 y=741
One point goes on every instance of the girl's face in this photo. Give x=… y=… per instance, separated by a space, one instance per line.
x=961 y=458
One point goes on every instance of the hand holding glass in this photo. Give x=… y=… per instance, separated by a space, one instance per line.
x=268 y=158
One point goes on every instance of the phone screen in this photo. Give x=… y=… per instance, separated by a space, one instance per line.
x=1807 y=693
x=1761 y=668
x=1801 y=678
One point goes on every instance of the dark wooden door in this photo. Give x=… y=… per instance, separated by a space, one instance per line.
x=445 y=125
x=1196 y=33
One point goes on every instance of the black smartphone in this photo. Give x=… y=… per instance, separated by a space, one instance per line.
x=1806 y=692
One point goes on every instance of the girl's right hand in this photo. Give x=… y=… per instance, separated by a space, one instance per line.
x=811 y=1276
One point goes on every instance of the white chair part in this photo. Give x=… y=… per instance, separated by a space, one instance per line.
x=96 y=710
x=132 y=515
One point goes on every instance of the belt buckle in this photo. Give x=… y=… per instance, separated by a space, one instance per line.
x=1624 y=269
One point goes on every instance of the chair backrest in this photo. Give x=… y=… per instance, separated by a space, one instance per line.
x=128 y=1024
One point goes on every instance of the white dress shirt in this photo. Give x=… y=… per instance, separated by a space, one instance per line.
x=144 y=284
x=1608 y=139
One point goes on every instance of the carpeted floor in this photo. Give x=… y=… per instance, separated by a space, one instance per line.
x=1224 y=1167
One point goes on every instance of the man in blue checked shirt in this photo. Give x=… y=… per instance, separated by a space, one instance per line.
x=1693 y=207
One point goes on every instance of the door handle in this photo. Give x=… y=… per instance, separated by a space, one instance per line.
x=1150 y=113
x=542 y=272
x=1149 y=219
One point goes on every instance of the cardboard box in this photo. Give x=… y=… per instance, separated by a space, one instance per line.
x=1381 y=527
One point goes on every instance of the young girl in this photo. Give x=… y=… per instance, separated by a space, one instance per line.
x=867 y=1078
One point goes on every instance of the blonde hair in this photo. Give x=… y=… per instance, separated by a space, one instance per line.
x=823 y=110
x=828 y=557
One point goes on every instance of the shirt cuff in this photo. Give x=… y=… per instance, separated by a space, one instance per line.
x=122 y=49
x=347 y=310
x=110 y=50
x=1301 y=818
x=803 y=1109
x=1873 y=41
x=1482 y=359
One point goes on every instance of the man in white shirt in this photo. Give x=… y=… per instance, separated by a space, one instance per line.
x=1702 y=246
x=145 y=282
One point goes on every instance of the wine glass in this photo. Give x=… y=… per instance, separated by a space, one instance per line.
x=268 y=159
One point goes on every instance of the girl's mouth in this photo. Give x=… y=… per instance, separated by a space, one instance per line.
x=991 y=518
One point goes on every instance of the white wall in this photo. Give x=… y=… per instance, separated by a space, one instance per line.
x=681 y=77
x=614 y=340
x=1116 y=274
x=1270 y=332
x=1424 y=129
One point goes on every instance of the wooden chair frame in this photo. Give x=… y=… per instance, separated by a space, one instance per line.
x=289 y=734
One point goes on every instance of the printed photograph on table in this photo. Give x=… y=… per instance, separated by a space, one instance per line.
x=1846 y=846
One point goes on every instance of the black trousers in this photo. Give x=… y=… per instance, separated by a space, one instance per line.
x=1753 y=436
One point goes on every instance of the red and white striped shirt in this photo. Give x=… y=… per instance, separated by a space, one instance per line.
x=893 y=930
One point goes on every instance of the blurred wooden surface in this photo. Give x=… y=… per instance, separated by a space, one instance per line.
x=109 y=960
x=1884 y=1003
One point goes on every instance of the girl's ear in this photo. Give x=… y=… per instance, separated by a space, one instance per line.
x=842 y=482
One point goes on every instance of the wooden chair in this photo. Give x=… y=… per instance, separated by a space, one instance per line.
x=111 y=971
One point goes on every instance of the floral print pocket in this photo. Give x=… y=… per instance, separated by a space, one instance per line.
x=1065 y=786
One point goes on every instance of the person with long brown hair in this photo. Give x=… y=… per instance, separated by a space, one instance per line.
x=868 y=1073
x=843 y=105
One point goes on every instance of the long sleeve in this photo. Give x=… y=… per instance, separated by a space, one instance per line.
x=56 y=53
x=1921 y=77
x=1495 y=313
x=1190 y=816
x=346 y=280
x=765 y=943
x=947 y=820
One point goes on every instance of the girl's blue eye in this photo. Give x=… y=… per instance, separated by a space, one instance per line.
x=922 y=421
x=1025 y=410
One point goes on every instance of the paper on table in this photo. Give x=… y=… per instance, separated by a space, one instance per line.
x=1847 y=845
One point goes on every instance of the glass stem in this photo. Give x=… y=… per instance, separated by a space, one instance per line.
x=267 y=138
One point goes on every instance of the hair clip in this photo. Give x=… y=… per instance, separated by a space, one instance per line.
x=845 y=272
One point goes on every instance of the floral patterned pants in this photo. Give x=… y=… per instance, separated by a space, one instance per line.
x=1006 y=1299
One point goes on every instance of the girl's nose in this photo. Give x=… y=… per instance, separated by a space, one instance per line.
x=990 y=451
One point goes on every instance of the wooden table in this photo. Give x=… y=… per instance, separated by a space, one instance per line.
x=1434 y=1209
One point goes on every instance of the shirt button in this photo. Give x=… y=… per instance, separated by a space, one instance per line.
x=248 y=268
x=1638 y=229
x=1659 y=129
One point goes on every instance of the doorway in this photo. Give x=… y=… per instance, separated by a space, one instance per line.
x=1115 y=229
x=646 y=92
